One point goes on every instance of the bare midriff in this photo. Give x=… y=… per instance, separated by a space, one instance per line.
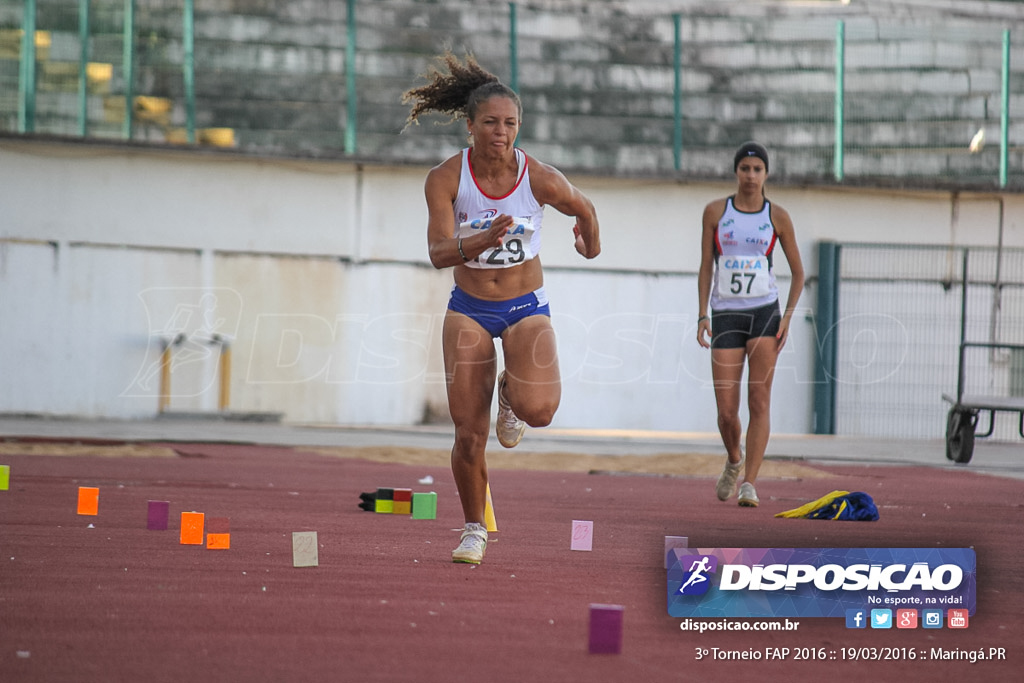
x=498 y=284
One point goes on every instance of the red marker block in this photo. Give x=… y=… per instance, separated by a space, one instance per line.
x=402 y=502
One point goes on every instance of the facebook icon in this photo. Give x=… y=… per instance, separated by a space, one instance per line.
x=856 y=618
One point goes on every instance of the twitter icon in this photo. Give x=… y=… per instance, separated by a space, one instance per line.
x=881 y=618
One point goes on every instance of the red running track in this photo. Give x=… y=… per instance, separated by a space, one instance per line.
x=117 y=602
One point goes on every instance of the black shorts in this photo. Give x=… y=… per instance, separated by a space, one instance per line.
x=733 y=329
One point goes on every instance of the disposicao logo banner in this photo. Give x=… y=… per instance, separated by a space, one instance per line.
x=817 y=582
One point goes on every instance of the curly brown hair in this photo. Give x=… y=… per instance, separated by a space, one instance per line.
x=458 y=92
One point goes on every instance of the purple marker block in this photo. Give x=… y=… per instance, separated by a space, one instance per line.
x=606 y=629
x=159 y=510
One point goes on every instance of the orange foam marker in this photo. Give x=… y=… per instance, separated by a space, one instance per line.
x=88 y=500
x=218 y=533
x=218 y=541
x=192 y=528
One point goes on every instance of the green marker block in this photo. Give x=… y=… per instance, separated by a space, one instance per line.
x=424 y=505
x=5 y=477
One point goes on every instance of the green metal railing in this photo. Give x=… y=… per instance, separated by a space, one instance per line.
x=128 y=67
x=677 y=92
x=1004 y=126
x=152 y=48
x=189 y=69
x=350 y=79
x=837 y=162
x=27 y=72
x=513 y=47
x=83 y=63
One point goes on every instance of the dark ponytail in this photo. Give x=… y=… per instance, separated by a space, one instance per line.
x=458 y=92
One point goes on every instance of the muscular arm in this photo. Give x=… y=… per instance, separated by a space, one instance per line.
x=441 y=188
x=552 y=188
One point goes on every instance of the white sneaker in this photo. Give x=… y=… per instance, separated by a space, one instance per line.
x=726 y=485
x=509 y=428
x=473 y=544
x=748 y=496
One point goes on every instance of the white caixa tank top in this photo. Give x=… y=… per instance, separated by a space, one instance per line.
x=744 y=242
x=474 y=211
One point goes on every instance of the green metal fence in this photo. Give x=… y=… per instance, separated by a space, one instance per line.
x=889 y=332
x=841 y=93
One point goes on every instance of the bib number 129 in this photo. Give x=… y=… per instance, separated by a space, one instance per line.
x=514 y=250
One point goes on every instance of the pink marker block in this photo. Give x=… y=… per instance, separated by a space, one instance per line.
x=582 y=535
x=158 y=513
x=606 y=629
x=674 y=542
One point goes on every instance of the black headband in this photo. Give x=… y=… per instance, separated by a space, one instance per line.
x=750 y=149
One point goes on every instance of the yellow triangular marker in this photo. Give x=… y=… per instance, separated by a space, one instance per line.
x=492 y=524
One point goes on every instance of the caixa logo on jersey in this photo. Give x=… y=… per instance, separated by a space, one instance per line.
x=817 y=582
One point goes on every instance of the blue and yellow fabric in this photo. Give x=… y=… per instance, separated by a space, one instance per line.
x=841 y=505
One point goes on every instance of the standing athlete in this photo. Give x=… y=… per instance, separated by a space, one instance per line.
x=746 y=326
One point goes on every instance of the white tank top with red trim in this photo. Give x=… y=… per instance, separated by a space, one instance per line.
x=474 y=210
x=744 y=242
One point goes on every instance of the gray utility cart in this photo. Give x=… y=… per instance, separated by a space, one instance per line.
x=968 y=404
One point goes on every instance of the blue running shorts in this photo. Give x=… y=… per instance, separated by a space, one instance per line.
x=498 y=316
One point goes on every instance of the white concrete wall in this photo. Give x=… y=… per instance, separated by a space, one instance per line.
x=317 y=273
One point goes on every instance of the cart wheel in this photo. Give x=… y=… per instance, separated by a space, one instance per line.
x=960 y=436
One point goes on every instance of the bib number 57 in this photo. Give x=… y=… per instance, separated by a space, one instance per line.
x=737 y=286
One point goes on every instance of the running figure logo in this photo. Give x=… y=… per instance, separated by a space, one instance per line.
x=697 y=579
x=193 y=322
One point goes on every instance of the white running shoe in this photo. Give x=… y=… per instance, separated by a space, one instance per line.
x=748 y=496
x=509 y=428
x=473 y=544
x=726 y=485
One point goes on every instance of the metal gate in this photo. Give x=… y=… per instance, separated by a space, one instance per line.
x=888 y=324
